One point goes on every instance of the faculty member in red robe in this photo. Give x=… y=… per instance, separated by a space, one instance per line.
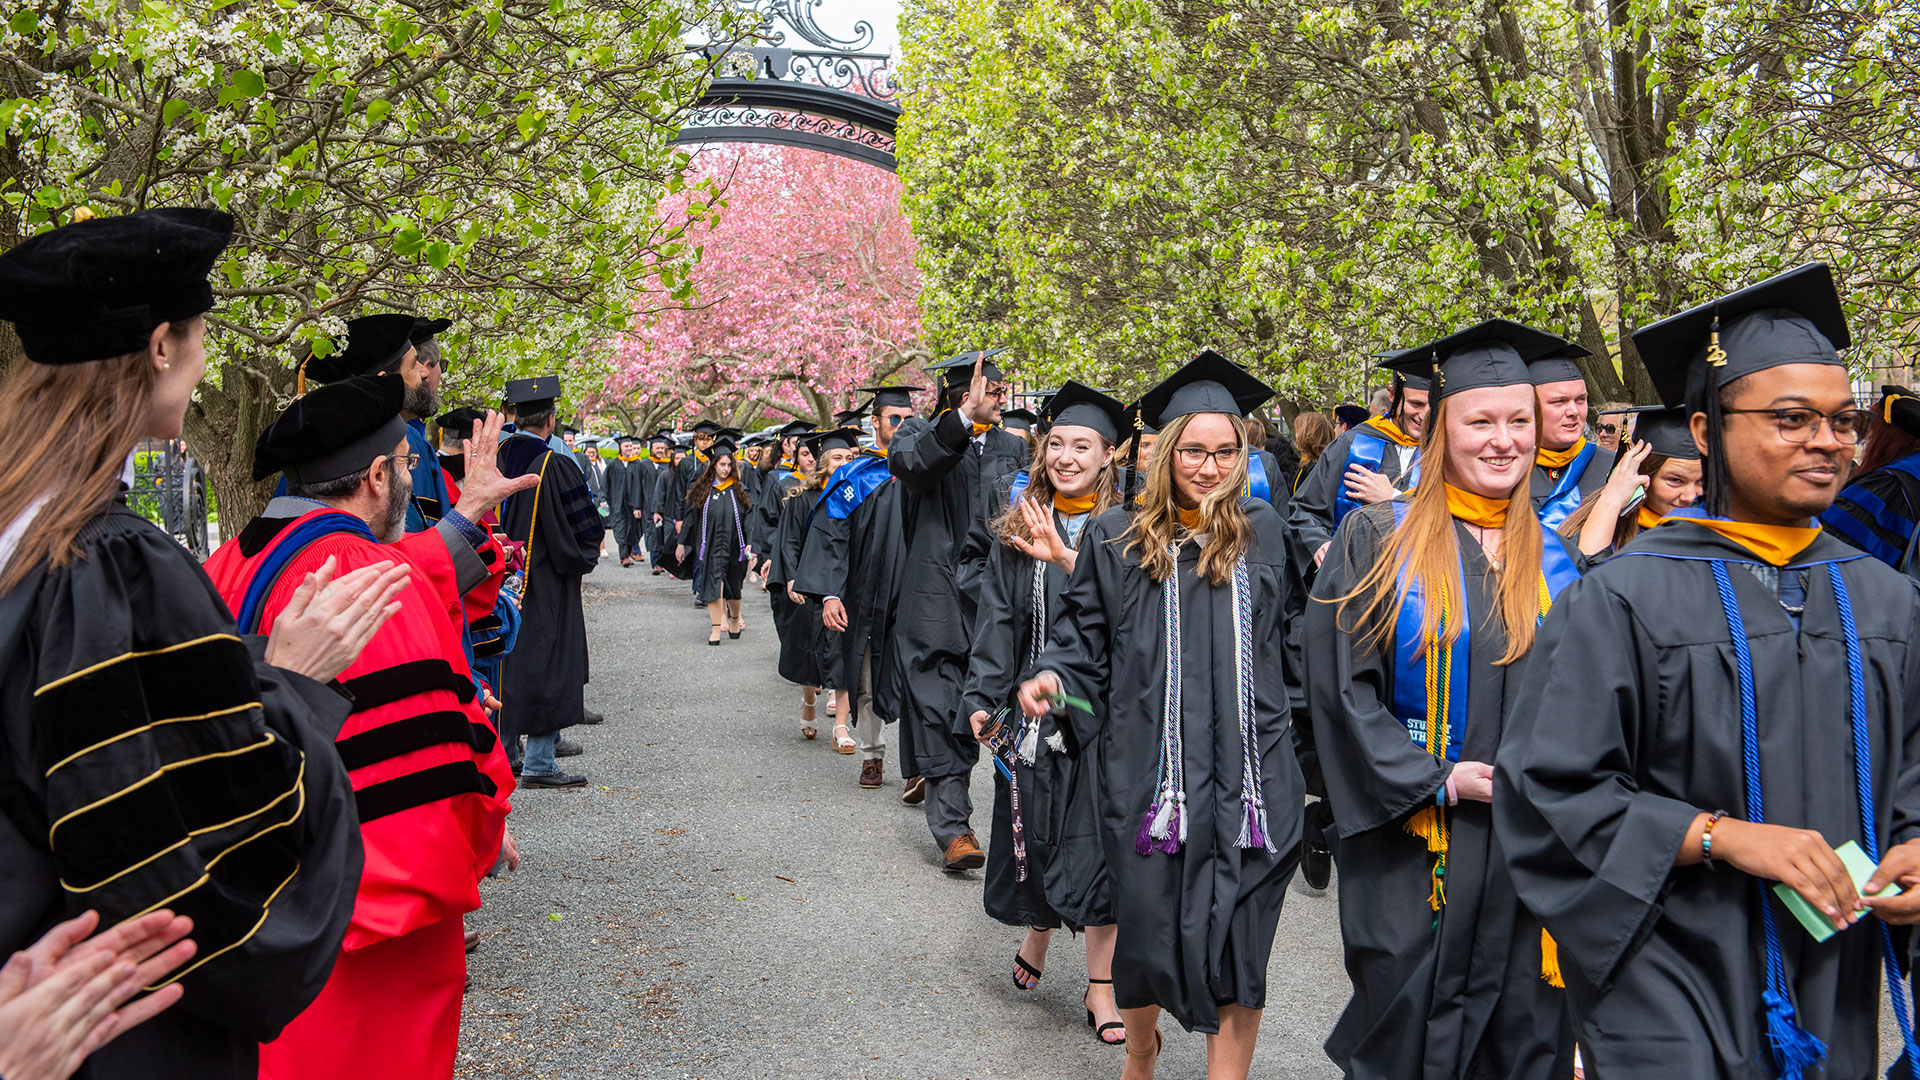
x=428 y=772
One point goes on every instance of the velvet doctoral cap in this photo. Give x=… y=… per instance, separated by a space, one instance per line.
x=1898 y=406
x=335 y=431
x=375 y=343
x=1790 y=318
x=1496 y=352
x=425 y=330
x=96 y=289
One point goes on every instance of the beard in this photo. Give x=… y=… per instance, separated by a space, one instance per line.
x=393 y=519
x=420 y=400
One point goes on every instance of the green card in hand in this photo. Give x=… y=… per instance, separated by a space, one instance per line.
x=1071 y=702
x=1859 y=868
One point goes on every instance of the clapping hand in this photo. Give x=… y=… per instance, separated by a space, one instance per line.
x=61 y=998
x=327 y=622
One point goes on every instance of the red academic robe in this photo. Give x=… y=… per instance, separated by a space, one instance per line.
x=432 y=783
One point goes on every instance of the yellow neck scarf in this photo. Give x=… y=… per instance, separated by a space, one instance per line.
x=1081 y=504
x=1476 y=509
x=1559 y=459
x=981 y=429
x=724 y=484
x=1774 y=544
x=1189 y=519
x=1647 y=518
x=1390 y=430
x=629 y=457
x=658 y=460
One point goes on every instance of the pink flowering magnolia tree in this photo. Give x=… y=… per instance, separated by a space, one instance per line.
x=806 y=288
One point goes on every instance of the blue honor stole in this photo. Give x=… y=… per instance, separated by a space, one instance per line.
x=1565 y=498
x=1367 y=449
x=286 y=547
x=1862 y=536
x=1257 y=486
x=1449 y=675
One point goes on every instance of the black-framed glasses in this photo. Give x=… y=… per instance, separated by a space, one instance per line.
x=1799 y=425
x=1194 y=456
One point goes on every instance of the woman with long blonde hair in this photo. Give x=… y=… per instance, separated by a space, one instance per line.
x=1044 y=865
x=1421 y=614
x=1161 y=667
x=141 y=731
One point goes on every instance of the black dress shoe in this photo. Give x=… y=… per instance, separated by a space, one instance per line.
x=1316 y=867
x=591 y=717
x=553 y=780
x=565 y=747
x=516 y=768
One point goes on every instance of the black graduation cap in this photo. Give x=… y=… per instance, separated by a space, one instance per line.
x=1078 y=405
x=847 y=416
x=1401 y=378
x=730 y=434
x=706 y=427
x=722 y=444
x=425 y=330
x=569 y=429
x=1018 y=419
x=1139 y=426
x=1790 y=318
x=844 y=438
x=1557 y=367
x=1665 y=429
x=335 y=431
x=889 y=397
x=532 y=395
x=375 y=343
x=461 y=420
x=1491 y=353
x=1899 y=407
x=663 y=435
x=957 y=371
x=793 y=428
x=1208 y=383
x=97 y=288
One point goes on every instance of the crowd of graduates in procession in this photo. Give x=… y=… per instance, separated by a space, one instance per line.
x=1608 y=719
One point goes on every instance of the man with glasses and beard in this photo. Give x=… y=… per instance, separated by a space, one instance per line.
x=946 y=465
x=428 y=774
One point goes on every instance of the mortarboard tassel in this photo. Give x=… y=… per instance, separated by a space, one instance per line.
x=1716 y=355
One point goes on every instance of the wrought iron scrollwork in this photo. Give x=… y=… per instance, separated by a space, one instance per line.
x=799 y=15
x=826 y=126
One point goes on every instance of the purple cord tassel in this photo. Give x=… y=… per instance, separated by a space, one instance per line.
x=1256 y=829
x=1143 y=840
x=1171 y=844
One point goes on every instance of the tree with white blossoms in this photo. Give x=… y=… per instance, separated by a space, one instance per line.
x=497 y=162
x=1303 y=182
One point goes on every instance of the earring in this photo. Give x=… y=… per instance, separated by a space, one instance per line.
x=165 y=365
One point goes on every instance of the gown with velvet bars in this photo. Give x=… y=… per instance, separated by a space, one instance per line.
x=543 y=678
x=1627 y=725
x=942 y=472
x=1195 y=928
x=1464 y=998
x=1067 y=877
x=128 y=667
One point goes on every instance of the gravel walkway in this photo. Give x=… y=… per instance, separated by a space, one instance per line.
x=724 y=902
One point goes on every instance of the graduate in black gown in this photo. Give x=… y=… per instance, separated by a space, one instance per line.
x=1166 y=628
x=713 y=546
x=1715 y=709
x=1567 y=468
x=1050 y=871
x=784 y=476
x=798 y=625
x=151 y=757
x=658 y=518
x=1879 y=509
x=543 y=680
x=1365 y=465
x=944 y=466
x=1656 y=474
x=1450 y=973
x=852 y=565
x=629 y=477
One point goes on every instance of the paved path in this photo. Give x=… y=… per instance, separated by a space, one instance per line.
x=724 y=902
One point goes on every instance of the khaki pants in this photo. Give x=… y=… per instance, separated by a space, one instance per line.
x=869 y=731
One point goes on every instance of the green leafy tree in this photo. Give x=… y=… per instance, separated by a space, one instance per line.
x=497 y=162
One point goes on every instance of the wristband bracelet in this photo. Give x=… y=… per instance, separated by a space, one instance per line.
x=1706 y=839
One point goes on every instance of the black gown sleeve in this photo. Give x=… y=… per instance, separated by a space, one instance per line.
x=923 y=453
x=995 y=662
x=182 y=771
x=1590 y=852
x=1312 y=506
x=823 y=560
x=1374 y=773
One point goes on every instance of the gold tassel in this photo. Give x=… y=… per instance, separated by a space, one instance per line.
x=1716 y=355
x=1550 y=960
x=1426 y=825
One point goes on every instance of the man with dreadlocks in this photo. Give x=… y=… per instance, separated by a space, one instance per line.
x=1158 y=654
x=1450 y=974
x=1365 y=465
x=1717 y=709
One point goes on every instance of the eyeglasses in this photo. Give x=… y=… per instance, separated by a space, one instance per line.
x=1609 y=429
x=1195 y=456
x=1800 y=425
x=408 y=462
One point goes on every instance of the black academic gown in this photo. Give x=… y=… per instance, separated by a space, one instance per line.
x=715 y=539
x=943 y=474
x=543 y=678
x=660 y=533
x=1466 y=998
x=1067 y=877
x=1195 y=928
x=1311 y=507
x=802 y=636
x=765 y=536
x=1591 y=480
x=1627 y=725
x=626 y=487
x=105 y=665
x=862 y=560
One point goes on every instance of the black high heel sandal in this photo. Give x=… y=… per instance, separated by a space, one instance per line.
x=1021 y=962
x=1100 y=1032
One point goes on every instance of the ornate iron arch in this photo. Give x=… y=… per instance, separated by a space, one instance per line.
x=836 y=97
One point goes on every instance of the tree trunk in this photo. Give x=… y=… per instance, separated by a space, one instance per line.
x=222 y=425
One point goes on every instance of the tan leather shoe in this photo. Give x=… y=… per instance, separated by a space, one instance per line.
x=965 y=854
x=872 y=773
